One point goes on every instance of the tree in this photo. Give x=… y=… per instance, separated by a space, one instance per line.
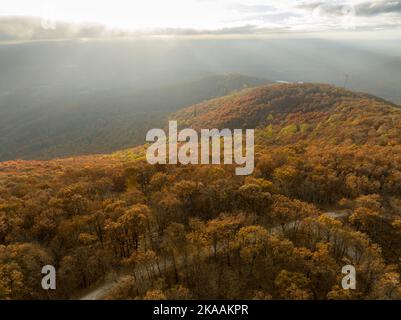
x=12 y=282
x=292 y=286
x=179 y=292
x=387 y=287
x=155 y=295
x=20 y=270
x=221 y=232
x=338 y=293
x=254 y=199
x=251 y=241
x=124 y=234
x=288 y=214
x=174 y=242
x=4 y=227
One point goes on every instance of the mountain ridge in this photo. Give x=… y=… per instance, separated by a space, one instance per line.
x=288 y=112
x=286 y=126
x=270 y=97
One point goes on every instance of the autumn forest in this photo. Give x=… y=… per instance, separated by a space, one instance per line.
x=325 y=193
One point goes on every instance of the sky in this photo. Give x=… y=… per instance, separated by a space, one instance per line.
x=200 y=16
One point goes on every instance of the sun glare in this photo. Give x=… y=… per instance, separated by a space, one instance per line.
x=127 y=14
x=254 y=16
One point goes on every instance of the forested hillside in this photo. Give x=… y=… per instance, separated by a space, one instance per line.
x=325 y=193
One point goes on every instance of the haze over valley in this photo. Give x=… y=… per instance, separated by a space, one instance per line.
x=75 y=97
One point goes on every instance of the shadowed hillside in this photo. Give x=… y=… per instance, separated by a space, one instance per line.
x=49 y=121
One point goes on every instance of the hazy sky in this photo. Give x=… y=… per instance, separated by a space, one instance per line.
x=216 y=16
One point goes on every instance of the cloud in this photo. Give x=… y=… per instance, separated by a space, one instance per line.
x=242 y=30
x=28 y=28
x=32 y=28
x=249 y=8
x=230 y=17
x=368 y=8
x=378 y=8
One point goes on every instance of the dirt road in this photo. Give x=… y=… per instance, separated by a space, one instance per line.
x=101 y=291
